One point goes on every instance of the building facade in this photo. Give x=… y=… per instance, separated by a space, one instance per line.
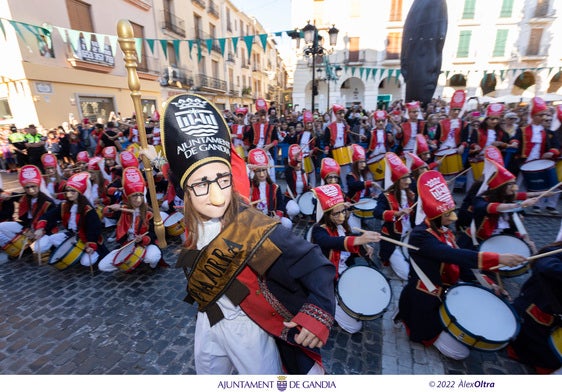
x=504 y=49
x=64 y=62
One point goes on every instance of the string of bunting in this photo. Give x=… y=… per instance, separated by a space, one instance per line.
x=76 y=38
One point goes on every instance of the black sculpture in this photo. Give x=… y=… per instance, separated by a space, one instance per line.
x=422 y=46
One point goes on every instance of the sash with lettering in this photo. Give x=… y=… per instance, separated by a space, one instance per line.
x=213 y=270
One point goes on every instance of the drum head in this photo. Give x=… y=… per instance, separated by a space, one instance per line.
x=173 y=219
x=366 y=204
x=305 y=203
x=506 y=244
x=123 y=253
x=481 y=312
x=61 y=250
x=405 y=252
x=448 y=151
x=363 y=292
x=537 y=165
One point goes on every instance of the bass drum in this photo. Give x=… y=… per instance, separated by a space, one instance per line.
x=365 y=208
x=363 y=292
x=478 y=318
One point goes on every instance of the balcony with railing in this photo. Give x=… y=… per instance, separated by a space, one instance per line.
x=204 y=37
x=213 y=9
x=209 y=83
x=172 y=23
x=354 y=57
x=200 y=3
x=148 y=67
x=177 y=77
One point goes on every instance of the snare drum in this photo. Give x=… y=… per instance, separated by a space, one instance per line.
x=363 y=292
x=342 y=155
x=539 y=175
x=67 y=253
x=16 y=244
x=555 y=342
x=306 y=204
x=174 y=224
x=365 y=208
x=477 y=168
x=508 y=244
x=376 y=166
x=129 y=257
x=451 y=161
x=307 y=164
x=478 y=318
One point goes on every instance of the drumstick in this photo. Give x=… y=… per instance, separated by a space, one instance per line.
x=534 y=257
x=551 y=189
x=256 y=201
x=23 y=246
x=402 y=216
x=458 y=175
x=390 y=240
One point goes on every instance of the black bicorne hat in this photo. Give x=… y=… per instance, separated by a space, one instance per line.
x=194 y=133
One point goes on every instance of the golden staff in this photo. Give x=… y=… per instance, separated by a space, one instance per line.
x=127 y=44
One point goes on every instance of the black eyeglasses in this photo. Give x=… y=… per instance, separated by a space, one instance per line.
x=71 y=191
x=202 y=188
x=30 y=187
x=332 y=178
x=342 y=212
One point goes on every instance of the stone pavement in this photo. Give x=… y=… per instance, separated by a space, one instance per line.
x=72 y=322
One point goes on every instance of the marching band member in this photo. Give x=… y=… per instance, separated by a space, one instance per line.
x=539 y=306
x=99 y=186
x=490 y=131
x=330 y=171
x=378 y=139
x=410 y=128
x=441 y=262
x=109 y=154
x=237 y=327
x=358 y=181
x=535 y=142
x=336 y=135
x=394 y=209
x=82 y=160
x=492 y=209
x=134 y=221
x=265 y=195
x=78 y=217
x=452 y=126
x=307 y=142
x=35 y=202
x=333 y=234
x=239 y=132
x=263 y=135
x=53 y=178
x=297 y=183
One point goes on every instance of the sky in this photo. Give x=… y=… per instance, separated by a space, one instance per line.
x=273 y=15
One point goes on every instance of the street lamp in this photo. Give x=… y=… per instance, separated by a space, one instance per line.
x=314 y=48
x=332 y=73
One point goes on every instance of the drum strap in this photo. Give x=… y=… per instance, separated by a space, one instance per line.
x=473 y=233
x=213 y=270
x=423 y=277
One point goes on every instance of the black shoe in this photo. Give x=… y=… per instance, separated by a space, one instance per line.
x=536 y=210
x=552 y=210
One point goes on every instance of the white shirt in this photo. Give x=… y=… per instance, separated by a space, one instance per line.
x=412 y=142
x=261 y=141
x=536 y=140
x=72 y=221
x=339 y=142
x=491 y=137
x=305 y=143
x=344 y=255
